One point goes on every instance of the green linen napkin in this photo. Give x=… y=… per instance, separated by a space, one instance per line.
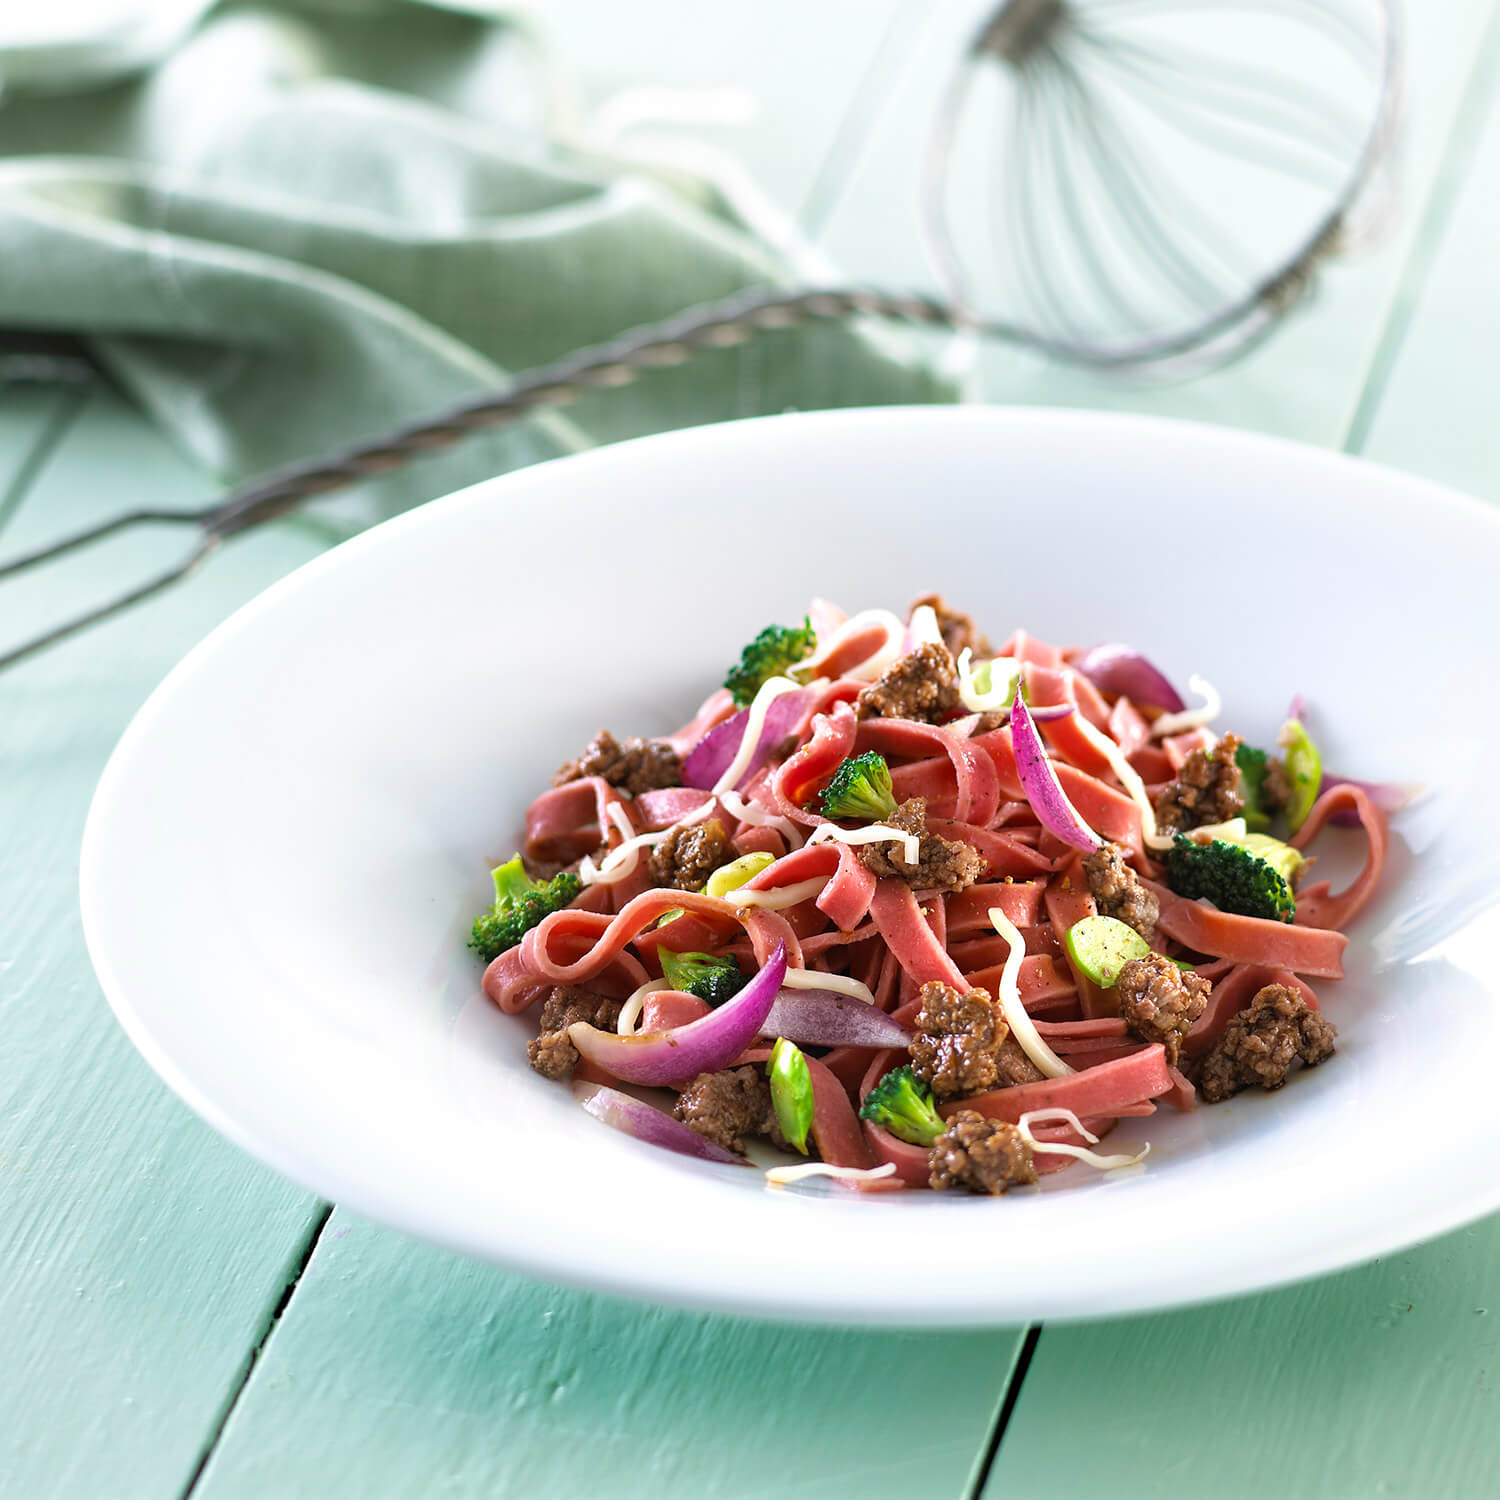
x=285 y=229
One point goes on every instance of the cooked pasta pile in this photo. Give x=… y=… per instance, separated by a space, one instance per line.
x=924 y=911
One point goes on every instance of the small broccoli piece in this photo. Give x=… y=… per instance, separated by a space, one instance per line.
x=1253 y=764
x=520 y=903
x=861 y=788
x=1231 y=875
x=776 y=649
x=902 y=1104
x=712 y=979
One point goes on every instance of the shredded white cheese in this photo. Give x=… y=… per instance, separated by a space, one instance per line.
x=630 y=1012
x=1005 y=672
x=1021 y=1025
x=770 y=690
x=924 y=627
x=781 y=896
x=755 y=815
x=623 y=858
x=781 y=1176
x=1082 y=1153
x=1129 y=778
x=1056 y=1114
x=815 y=979
x=1191 y=718
x=887 y=652
x=871 y=833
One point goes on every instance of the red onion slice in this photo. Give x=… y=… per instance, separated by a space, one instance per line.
x=647 y=1123
x=1043 y=790
x=715 y=752
x=827 y=1018
x=1116 y=668
x=702 y=1046
x=1388 y=796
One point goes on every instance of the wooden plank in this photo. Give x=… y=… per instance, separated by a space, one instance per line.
x=401 y=1370
x=143 y=1255
x=1307 y=380
x=1382 y=1380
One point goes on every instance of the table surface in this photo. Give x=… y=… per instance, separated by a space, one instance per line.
x=176 y=1320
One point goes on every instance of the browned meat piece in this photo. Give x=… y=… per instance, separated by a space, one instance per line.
x=1262 y=1042
x=636 y=766
x=942 y=864
x=552 y=1054
x=922 y=685
x=1118 y=892
x=688 y=856
x=982 y=1155
x=1276 y=789
x=1207 y=788
x=1159 y=1002
x=728 y=1107
x=1012 y=1065
x=958 y=629
x=958 y=1036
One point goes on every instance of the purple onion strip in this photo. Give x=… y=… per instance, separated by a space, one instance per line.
x=702 y=1046
x=829 y=1018
x=647 y=1123
x=1116 y=668
x=1388 y=796
x=1043 y=790
x=715 y=752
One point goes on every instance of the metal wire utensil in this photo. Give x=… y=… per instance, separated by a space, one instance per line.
x=1089 y=252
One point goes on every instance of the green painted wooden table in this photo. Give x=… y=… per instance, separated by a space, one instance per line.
x=176 y=1320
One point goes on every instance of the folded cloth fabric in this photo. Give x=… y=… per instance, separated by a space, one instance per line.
x=293 y=229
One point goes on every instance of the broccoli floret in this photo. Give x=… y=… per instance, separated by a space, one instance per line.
x=520 y=903
x=861 y=788
x=902 y=1104
x=713 y=979
x=770 y=654
x=1233 y=876
x=1252 y=764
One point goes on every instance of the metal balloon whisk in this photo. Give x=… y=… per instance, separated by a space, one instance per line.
x=1134 y=185
x=1126 y=182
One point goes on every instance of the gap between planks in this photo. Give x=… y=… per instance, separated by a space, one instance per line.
x=300 y=1262
x=986 y=1461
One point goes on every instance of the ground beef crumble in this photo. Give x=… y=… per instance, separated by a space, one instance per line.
x=942 y=864
x=922 y=685
x=1276 y=789
x=1159 y=1002
x=1012 y=1066
x=635 y=766
x=957 y=629
x=982 y=1155
x=728 y=1107
x=1118 y=892
x=1261 y=1043
x=958 y=1036
x=688 y=856
x=552 y=1054
x=1207 y=789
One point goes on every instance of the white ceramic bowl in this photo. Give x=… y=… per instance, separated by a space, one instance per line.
x=286 y=848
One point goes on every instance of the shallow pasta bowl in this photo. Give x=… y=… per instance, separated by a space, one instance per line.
x=286 y=848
